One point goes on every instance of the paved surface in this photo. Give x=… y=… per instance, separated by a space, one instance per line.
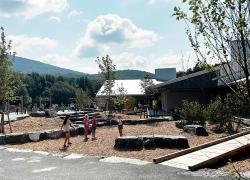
x=207 y=155
x=40 y=166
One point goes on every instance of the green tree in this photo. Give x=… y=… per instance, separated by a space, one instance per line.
x=6 y=86
x=6 y=74
x=219 y=30
x=82 y=98
x=130 y=103
x=108 y=76
x=147 y=86
x=120 y=98
x=61 y=92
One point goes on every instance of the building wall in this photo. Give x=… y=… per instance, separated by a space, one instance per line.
x=173 y=99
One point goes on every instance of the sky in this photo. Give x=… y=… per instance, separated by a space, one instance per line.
x=136 y=34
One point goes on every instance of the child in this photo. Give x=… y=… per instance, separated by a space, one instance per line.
x=86 y=127
x=94 y=124
x=66 y=128
x=120 y=125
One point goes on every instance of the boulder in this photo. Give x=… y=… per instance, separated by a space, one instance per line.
x=128 y=143
x=197 y=130
x=37 y=114
x=17 y=138
x=54 y=134
x=50 y=113
x=176 y=142
x=73 y=132
x=43 y=136
x=2 y=139
x=34 y=137
x=80 y=130
x=181 y=123
x=149 y=143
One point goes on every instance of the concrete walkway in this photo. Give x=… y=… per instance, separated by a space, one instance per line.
x=209 y=155
x=36 y=165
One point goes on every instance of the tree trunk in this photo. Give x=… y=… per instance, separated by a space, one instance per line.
x=2 y=123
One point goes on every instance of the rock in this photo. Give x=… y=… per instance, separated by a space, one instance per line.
x=43 y=136
x=17 y=138
x=80 y=130
x=178 y=142
x=2 y=139
x=128 y=143
x=181 y=123
x=34 y=137
x=54 y=134
x=196 y=130
x=73 y=132
x=113 y=122
x=37 y=114
x=149 y=144
x=50 y=113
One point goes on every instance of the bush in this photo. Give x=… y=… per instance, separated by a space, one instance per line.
x=193 y=112
x=221 y=113
x=129 y=103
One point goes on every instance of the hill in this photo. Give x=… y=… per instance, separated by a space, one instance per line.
x=28 y=66
x=25 y=65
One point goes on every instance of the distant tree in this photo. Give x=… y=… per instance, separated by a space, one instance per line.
x=61 y=92
x=147 y=85
x=130 y=103
x=82 y=98
x=108 y=75
x=120 y=98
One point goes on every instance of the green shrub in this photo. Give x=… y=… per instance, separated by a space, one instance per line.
x=193 y=112
x=221 y=113
x=129 y=103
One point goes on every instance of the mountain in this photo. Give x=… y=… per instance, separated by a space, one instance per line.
x=25 y=65
x=28 y=66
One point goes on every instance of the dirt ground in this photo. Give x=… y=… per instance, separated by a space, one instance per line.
x=32 y=124
x=103 y=145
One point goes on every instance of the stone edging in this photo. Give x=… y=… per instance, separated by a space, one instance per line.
x=20 y=138
x=150 y=142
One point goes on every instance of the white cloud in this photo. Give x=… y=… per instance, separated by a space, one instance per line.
x=128 y=60
x=110 y=30
x=181 y=61
x=74 y=13
x=23 y=44
x=31 y=8
x=151 y=2
x=55 y=18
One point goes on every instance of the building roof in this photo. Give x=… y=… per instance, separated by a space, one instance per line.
x=131 y=86
x=199 y=80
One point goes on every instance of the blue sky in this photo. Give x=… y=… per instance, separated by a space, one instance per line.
x=137 y=34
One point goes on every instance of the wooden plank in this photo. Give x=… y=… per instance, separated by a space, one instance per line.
x=196 y=148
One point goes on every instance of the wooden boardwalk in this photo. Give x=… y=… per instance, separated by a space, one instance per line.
x=211 y=154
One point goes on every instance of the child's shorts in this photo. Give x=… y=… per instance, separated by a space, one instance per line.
x=66 y=133
x=120 y=126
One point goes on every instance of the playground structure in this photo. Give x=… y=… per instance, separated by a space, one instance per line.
x=5 y=112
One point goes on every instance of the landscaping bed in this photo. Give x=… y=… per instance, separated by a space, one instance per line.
x=104 y=145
